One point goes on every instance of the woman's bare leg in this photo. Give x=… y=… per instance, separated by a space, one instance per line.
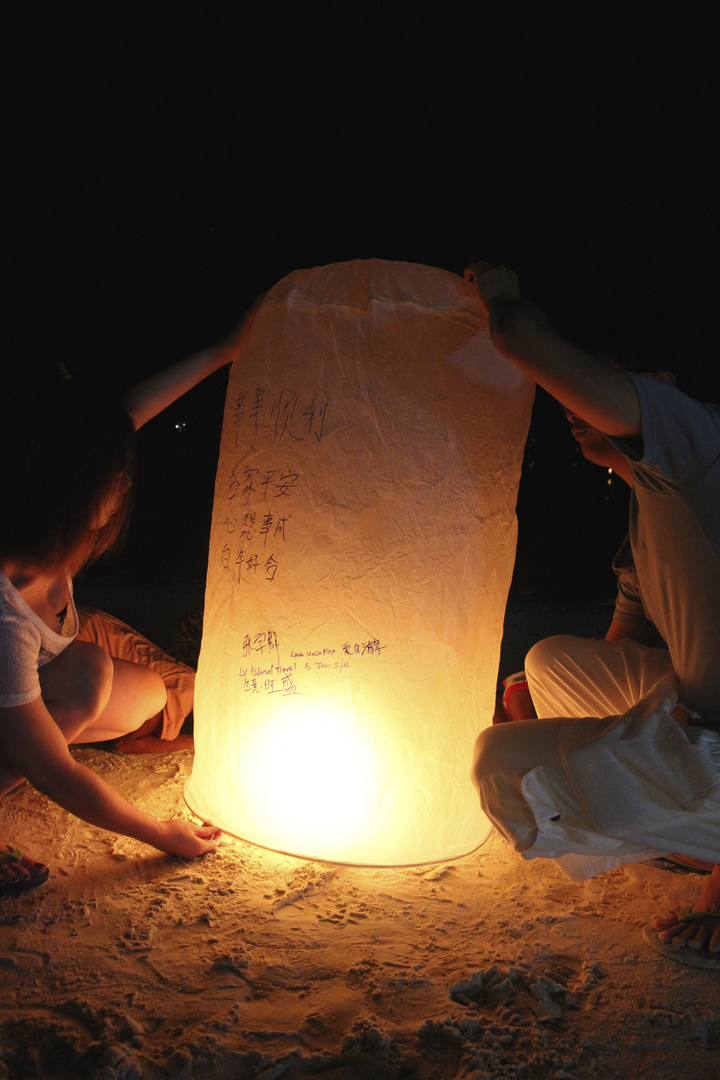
x=160 y=732
x=133 y=714
x=137 y=697
x=93 y=697
x=76 y=687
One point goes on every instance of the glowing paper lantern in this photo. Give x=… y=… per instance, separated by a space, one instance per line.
x=362 y=545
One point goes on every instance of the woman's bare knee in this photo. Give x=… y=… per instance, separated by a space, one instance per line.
x=76 y=685
x=138 y=694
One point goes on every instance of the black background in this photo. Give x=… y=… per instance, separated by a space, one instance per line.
x=169 y=161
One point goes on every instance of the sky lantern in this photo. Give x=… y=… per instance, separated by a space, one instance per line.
x=362 y=545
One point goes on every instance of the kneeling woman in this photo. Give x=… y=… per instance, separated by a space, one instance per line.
x=66 y=447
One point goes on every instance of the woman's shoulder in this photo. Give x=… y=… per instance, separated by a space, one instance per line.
x=14 y=611
x=33 y=597
x=20 y=646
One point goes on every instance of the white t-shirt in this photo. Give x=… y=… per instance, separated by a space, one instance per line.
x=26 y=643
x=675 y=534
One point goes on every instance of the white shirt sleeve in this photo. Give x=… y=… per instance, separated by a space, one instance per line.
x=19 y=649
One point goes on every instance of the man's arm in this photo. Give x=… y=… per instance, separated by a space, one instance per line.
x=643 y=632
x=602 y=395
x=154 y=394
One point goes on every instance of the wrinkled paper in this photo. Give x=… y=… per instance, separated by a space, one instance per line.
x=362 y=546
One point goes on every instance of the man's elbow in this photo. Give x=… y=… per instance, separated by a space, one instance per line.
x=513 y=323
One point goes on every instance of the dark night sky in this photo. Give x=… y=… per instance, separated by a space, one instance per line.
x=168 y=161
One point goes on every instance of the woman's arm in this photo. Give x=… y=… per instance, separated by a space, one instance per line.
x=32 y=745
x=604 y=396
x=154 y=394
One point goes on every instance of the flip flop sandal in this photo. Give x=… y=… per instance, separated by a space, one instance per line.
x=690 y=957
x=675 y=865
x=20 y=885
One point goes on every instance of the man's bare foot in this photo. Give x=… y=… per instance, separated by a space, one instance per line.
x=18 y=873
x=702 y=932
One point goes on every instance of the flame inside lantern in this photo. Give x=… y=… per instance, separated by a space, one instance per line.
x=361 y=551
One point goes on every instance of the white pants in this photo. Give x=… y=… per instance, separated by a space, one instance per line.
x=606 y=775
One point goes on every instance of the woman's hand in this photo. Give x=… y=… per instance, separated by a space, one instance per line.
x=187 y=840
x=32 y=745
x=228 y=350
x=492 y=282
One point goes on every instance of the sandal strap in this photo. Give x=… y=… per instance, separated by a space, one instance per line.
x=688 y=916
x=11 y=855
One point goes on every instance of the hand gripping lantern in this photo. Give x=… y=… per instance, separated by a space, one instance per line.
x=362 y=546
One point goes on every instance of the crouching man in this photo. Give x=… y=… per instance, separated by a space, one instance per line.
x=623 y=760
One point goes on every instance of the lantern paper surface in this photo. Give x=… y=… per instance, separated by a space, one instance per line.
x=362 y=546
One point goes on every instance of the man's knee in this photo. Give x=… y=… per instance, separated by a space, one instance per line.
x=498 y=777
x=544 y=655
x=491 y=751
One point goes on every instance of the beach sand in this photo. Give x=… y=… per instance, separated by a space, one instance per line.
x=133 y=965
x=244 y=963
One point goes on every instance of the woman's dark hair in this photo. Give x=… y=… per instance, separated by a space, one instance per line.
x=65 y=441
